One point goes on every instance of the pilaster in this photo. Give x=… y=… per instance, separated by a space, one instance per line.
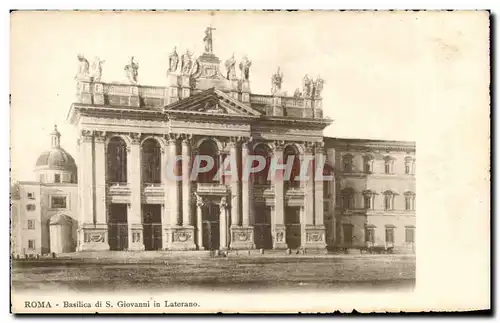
x=308 y=183
x=223 y=225
x=100 y=176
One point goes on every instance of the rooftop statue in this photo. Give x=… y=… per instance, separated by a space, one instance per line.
x=208 y=40
x=277 y=80
x=132 y=70
x=231 y=68
x=173 y=61
x=83 y=69
x=187 y=63
x=318 y=87
x=245 y=68
x=97 y=69
x=307 y=86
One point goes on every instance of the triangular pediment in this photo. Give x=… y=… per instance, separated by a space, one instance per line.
x=212 y=102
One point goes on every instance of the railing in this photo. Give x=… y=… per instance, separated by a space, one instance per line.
x=118 y=188
x=261 y=99
x=153 y=189
x=211 y=188
x=294 y=102
x=152 y=92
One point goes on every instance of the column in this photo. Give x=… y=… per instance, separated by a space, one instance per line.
x=235 y=183
x=242 y=235
x=278 y=219
x=199 y=223
x=171 y=182
x=100 y=187
x=319 y=162
x=134 y=219
x=186 y=182
x=223 y=224
x=308 y=184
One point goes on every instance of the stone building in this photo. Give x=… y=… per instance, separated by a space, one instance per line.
x=44 y=213
x=131 y=134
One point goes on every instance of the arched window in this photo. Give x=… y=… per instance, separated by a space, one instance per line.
x=262 y=177
x=347 y=163
x=389 y=165
x=117 y=160
x=368 y=164
x=209 y=148
x=294 y=180
x=348 y=199
x=389 y=200
x=151 y=161
x=409 y=201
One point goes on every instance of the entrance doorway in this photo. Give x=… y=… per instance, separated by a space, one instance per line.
x=151 y=224
x=263 y=237
x=292 y=224
x=210 y=226
x=118 y=227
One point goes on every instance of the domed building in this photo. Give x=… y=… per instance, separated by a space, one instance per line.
x=44 y=211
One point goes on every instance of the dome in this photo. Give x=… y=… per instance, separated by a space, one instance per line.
x=56 y=159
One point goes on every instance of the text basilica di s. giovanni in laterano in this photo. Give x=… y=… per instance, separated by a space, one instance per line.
x=120 y=196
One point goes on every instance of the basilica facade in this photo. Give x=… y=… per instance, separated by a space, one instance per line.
x=131 y=134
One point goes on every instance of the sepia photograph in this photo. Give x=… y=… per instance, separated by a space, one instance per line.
x=161 y=159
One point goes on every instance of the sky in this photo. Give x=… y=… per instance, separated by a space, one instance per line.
x=371 y=64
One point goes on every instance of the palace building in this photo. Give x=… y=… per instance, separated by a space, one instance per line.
x=120 y=196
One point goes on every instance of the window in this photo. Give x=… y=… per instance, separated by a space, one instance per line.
x=42 y=178
x=389 y=165
x=347 y=163
x=410 y=234
x=31 y=224
x=58 y=202
x=57 y=178
x=409 y=201
x=389 y=234
x=30 y=207
x=409 y=165
x=326 y=207
x=368 y=199
x=31 y=244
x=370 y=234
x=368 y=202
x=348 y=199
x=389 y=200
x=368 y=164
x=31 y=195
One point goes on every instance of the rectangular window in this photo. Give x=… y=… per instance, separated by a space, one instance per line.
x=31 y=195
x=370 y=235
x=408 y=203
x=347 y=167
x=57 y=178
x=407 y=169
x=387 y=202
x=368 y=168
x=368 y=202
x=31 y=224
x=31 y=244
x=58 y=202
x=348 y=202
x=326 y=207
x=389 y=234
x=410 y=235
x=387 y=168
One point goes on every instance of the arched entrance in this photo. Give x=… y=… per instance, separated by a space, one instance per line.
x=117 y=160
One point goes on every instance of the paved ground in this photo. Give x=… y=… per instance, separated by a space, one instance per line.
x=242 y=272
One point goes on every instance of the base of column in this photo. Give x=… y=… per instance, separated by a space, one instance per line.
x=136 y=242
x=242 y=238
x=93 y=237
x=180 y=238
x=315 y=237
x=279 y=234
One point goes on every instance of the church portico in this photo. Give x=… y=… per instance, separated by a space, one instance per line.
x=173 y=162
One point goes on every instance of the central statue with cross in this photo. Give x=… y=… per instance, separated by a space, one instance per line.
x=208 y=39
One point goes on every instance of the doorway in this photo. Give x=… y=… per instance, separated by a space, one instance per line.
x=293 y=228
x=118 y=227
x=151 y=224
x=263 y=236
x=210 y=225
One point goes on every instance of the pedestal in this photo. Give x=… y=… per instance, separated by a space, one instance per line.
x=279 y=234
x=136 y=243
x=180 y=238
x=93 y=237
x=315 y=237
x=242 y=238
